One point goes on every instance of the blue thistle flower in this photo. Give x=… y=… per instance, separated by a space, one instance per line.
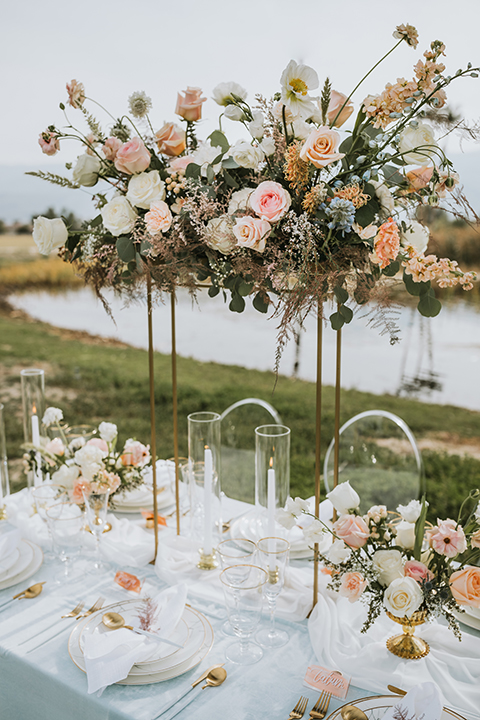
x=342 y=214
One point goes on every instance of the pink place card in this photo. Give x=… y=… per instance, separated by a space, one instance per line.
x=332 y=681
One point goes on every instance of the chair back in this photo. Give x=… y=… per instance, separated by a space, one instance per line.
x=378 y=455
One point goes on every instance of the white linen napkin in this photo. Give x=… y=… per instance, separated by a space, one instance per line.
x=127 y=543
x=8 y=543
x=164 y=474
x=21 y=513
x=420 y=703
x=109 y=655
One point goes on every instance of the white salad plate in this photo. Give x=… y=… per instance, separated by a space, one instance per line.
x=375 y=708
x=30 y=559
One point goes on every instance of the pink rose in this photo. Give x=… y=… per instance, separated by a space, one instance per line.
x=132 y=157
x=270 y=201
x=111 y=147
x=465 y=586
x=386 y=244
x=134 y=453
x=98 y=442
x=189 y=107
x=49 y=143
x=180 y=164
x=320 y=148
x=55 y=447
x=352 y=529
x=252 y=232
x=158 y=218
x=417 y=570
x=336 y=101
x=352 y=586
x=81 y=485
x=447 y=539
x=171 y=140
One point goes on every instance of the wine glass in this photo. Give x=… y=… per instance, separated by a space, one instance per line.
x=232 y=552
x=44 y=496
x=273 y=557
x=96 y=505
x=66 y=521
x=242 y=586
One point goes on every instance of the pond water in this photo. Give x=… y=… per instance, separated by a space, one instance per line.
x=437 y=360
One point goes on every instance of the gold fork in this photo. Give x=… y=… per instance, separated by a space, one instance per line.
x=75 y=610
x=320 y=708
x=96 y=606
x=299 y=709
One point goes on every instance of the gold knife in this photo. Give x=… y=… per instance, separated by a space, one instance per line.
x=396 y=690
x=204 y=675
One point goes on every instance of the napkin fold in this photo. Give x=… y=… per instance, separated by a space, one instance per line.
x=8 y=544
x=127 y=543
x=420 y=703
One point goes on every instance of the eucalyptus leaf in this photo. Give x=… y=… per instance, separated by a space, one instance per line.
x=341 y=294
x=125 y=249
x=244 y=288
x=145 y=246
x=415 y=288
x=210 y=174
x=96 y=221
x=139 y=262
x=230 y=179
x=213 y=291
x=392 y=176
x=346 y=313
x=230 y=163
x=428 y=305
x=237 y=303
x=218 y=139
x=392 y=269
x=260 y=302
x=337 y=321
x=192 y=171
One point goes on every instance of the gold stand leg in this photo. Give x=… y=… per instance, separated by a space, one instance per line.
x=318 y=425
x=175 y=411
x=153 y=449
x=336 y=450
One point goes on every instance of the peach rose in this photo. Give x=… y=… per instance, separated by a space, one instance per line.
x=418 y=178
x=252 y=232
x=447 y=539
x=48 y=141
x=111 y=147
x=55 y=446
x=352 y=586
x=98 y=442
x=336 y=101
x=132 y=157
x=320 y=148
x=386 y=244
x=352 y=529
x=134 y=453
x=417 y=570
x=77 y=493
x=465 y=586
x=171 y=140
x=189 y=107
x=159 y=218
x=270 y=201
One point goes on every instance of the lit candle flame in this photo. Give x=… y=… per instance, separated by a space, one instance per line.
x=271 y=462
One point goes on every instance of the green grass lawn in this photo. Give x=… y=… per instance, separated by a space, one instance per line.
x=95 y=381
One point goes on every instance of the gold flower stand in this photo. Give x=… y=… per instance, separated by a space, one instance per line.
x=407 y=645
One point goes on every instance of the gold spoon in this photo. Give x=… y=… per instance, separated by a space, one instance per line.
x=30 y=592
x=350 y=712
x=215 y=677
x=115 y=621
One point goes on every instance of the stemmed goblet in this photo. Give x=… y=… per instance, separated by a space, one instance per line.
x=273 y=557
x=44 y=496
x=96 y=505
x=242 y=586
x=232 y=552
x=66 y=521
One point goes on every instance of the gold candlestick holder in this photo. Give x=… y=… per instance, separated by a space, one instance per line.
x=207 y=562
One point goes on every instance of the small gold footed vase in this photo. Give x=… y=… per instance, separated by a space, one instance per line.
x=407 y=645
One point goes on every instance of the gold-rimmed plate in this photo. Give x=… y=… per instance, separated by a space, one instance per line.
x=35 y=559
x=376 y=706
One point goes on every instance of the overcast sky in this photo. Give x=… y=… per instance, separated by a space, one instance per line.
x=118 y=46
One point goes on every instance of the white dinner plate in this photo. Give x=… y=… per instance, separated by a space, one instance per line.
x=35 y=555
x=375 y=707
x=8 y=562
x=468 y=618
x=144 y=501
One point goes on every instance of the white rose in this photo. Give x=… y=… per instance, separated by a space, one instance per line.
x=89 y=454
x=91 y=470
x=233 y=112
x=239 y=200
x=417 y=137
x=403 y=597
x=145 y=188
x=52 y=416
x=223 y=93
x=66 y=476
x=204 y=156
x=220 y=235
x=256 y=126
x=118 y=216
x=344 y=498
x=411 y=512
x=339 y=552
x=389 y=565
x=108 y=431
x=387 y=203
x=49 y=234
x=86 y=170
x=246 y=155
x=416 y=236
x=405 y=535
x=268 y=145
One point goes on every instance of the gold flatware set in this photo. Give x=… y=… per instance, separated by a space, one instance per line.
x=318 y=711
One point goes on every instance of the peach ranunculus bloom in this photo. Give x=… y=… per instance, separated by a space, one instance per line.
x=171 y=139
x=418 y=178
x=49 y=143
x=448 y=539
x=336 y=101
x=320 y=148
x=270 y=201
x=76 y=93
x=135 y=453
x=132 y=157
x=386 y=244
x=159 y=218
x=465 y=586
x=107 y=482
x=110 y=148
x=352 y=529
x=417 y=570
x=98 y=442
x=55 y=447
x=189 y=106
x=79 y=486
x=352 y=586
x=251 y=232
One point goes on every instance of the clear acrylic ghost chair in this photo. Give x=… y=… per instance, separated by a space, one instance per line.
x=378 y=455
x=238 y=424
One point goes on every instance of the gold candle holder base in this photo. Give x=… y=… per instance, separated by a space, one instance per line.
x=3 y=513
x=273 y=576
x=407 y=645
x=207 y=562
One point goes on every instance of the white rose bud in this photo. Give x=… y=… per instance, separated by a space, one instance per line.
x=389 y=565
x=233 y=112
x=145 y=188
x=268 y=145
x=405 y=534
x=223 y=93
x=118 y=216
x=416 y=236
x=403 y=597
x=86 y=170
x=421 y=138
x=49 y=234
x=108 y=431
x=256 y=126
x=344 y=498
x=52 y=416
x=411 y=512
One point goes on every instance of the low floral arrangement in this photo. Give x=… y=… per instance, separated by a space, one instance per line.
x=295 y=212
x=94 y=465
x=397 y=562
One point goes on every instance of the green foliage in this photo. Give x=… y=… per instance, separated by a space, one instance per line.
x=54 y=179
x=125 y=249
